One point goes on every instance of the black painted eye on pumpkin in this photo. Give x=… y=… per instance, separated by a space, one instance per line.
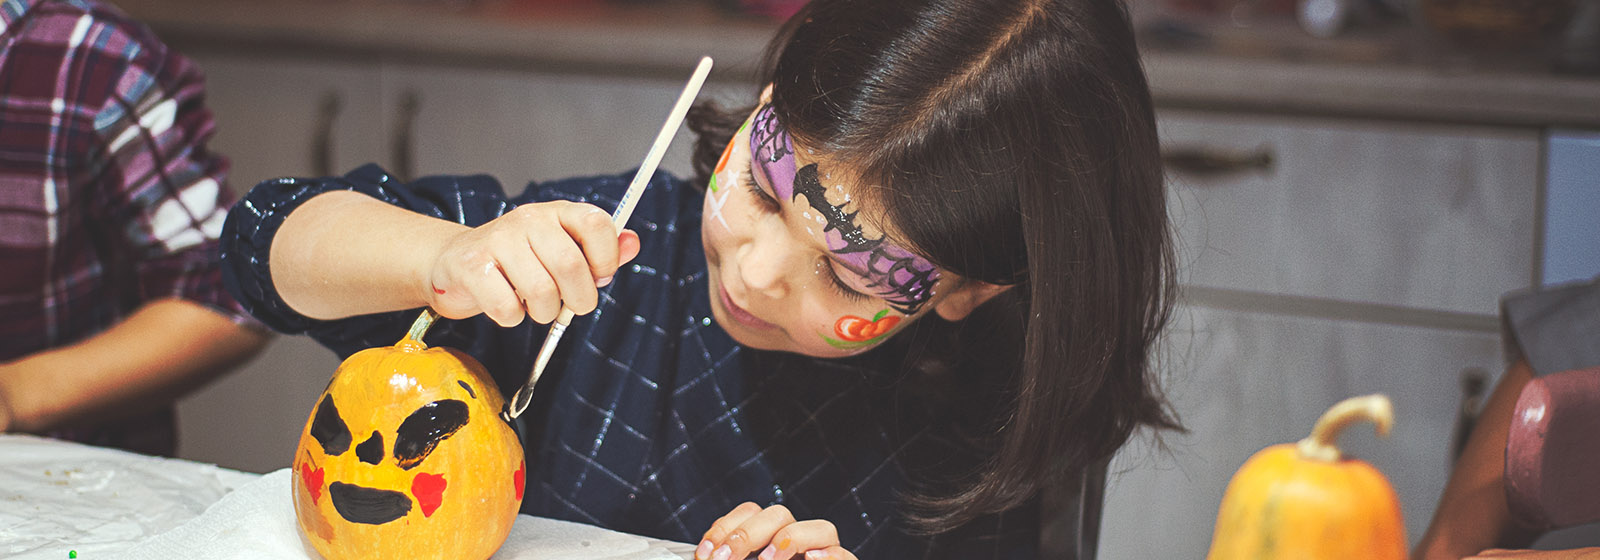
x=425 y=428
x=329 y=428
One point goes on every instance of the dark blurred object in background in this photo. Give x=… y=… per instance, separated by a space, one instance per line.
x=1498 y=23
x=1565 y=33
x=1580 y=45
x=777 y=10
x=1232 y=7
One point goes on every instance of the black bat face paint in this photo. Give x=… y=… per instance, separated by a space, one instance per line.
x=900 y=277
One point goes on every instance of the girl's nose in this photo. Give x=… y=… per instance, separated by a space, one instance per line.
x=769 y=263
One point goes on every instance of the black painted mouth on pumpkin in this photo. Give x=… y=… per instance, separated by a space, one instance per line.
x=359 y=504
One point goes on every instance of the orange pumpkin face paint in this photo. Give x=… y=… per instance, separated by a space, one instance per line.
x=723 y=162
x=856 y=332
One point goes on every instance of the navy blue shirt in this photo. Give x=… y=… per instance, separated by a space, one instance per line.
x=650 y=419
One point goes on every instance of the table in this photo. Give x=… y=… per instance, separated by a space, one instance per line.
x=60 y=499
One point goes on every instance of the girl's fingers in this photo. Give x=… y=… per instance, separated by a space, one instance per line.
x=721 y=528
x=533 y=285
x=488 y=287
x=752 y=535
x=834 y=552
x=798 y=538
x=628 y=246
x=566 y=265
x=531 y=262
x=591 y=228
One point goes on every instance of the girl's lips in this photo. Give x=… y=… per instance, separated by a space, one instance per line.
x=739 y=314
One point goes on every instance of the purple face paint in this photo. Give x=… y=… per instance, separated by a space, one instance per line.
x=773 y=153
x=900 y=277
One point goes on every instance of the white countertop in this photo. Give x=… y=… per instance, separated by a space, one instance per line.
x=61 y=500
x=1355 y=79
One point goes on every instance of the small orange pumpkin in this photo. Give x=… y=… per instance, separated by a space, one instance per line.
x=406 y=456
x=1306 y=501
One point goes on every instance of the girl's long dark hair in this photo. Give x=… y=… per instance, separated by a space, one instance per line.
x=1014 y=143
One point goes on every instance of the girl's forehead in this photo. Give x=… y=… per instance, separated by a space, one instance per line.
x=903 y=278
x=783 y=160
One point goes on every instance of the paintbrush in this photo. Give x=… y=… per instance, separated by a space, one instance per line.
x=619 y=218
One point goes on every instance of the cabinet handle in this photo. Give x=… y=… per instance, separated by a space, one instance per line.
x=410 y=105
x=322 y=134
x=1473 y=383
x=1206 y=161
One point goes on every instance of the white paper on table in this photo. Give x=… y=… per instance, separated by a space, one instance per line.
x=59 y=497
x=257 y=522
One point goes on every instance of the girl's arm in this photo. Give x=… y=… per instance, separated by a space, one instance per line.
x=344 y=253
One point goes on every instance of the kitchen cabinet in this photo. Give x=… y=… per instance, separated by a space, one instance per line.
x=1433 y=217
x=280 y=117
x=1244 y=380
x=520 y=126
x=1570 y=247
x=1324 y=258
x=294 y=117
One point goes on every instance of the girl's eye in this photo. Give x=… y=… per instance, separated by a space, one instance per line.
x=764 y=200
x=839 y=286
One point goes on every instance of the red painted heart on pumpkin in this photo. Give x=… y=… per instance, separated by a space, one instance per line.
x=522 y=470
x=851 y=328
x=312 y=479
x=429 y=490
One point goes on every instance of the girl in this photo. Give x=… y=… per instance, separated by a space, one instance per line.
x=919 y=287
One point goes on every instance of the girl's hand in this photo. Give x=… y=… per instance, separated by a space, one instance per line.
x=772 y=531
x=530 y=261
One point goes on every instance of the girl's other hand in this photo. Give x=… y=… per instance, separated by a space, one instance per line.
x=772 y=531
x=530 y=261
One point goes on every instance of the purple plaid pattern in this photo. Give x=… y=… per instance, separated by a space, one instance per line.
x=108 y=196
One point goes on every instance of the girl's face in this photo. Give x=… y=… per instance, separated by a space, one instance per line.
x=795 y=265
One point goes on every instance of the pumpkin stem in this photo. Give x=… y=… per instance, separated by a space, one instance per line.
x=420 y=326
x=1321 y=444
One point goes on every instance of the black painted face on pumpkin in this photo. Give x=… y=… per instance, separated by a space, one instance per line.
x=414 y=439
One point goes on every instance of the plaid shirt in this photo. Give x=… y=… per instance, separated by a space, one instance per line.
x=108 y=196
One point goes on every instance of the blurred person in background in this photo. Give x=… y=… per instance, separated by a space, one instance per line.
x=111 y=300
